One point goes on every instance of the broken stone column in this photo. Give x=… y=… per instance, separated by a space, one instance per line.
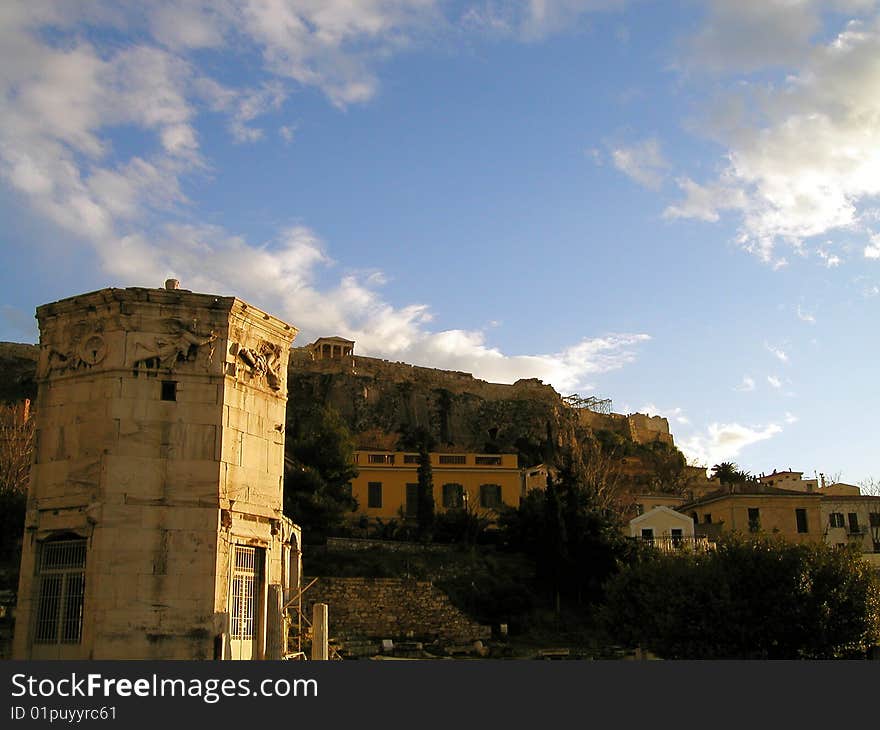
x=320 y=648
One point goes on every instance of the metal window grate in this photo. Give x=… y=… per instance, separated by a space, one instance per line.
x=243 y=584
x=61 y=580
x=453 y=459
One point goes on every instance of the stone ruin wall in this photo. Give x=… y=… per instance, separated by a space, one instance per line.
x=391 y=608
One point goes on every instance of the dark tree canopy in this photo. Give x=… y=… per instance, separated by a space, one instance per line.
x=574 y=539
x=318 y=469
x=749 y=599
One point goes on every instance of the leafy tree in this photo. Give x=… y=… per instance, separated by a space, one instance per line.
x=466 y=525
x=573 y=537
x=425 y=505
x=16 y=448
x=728 y=473
x=760 y=598
x=318 y=469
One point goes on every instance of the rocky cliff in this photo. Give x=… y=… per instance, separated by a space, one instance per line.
x=18 y=364
x=385 y=403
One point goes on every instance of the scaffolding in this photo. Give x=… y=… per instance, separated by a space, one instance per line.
x=297 y=623
x=591 y=403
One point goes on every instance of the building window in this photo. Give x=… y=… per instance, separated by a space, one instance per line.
x=453 y=496
x=412 y=500
x=648 y=534
x=754 y=519
x=874 y=519
x=453 y=459
x=61 y=580
x=490 y=495
x=835 y=519
x=169 y=390
x=707 y=518
x=410 y=458
x=381 y=458
x=800 y=516
x=877 y=546
x=374 y=495
x=677 y=536
x=853 y=520
x=487 y=460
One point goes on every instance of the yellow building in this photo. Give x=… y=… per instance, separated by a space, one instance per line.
x=795 y=516
x=851 y=517
x=387 y=484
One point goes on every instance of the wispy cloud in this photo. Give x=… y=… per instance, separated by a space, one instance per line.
x=747 y=385
x=805 y=316
x=831 y=260
x=643 y=162
x=61 y=96
x=777 y=352
x=676 y=415
x=800 y=157
x=774 y=381
x=724 y=442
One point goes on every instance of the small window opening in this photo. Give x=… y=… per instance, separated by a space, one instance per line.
x=169 y=390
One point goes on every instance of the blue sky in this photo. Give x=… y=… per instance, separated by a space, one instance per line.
x=670 y=204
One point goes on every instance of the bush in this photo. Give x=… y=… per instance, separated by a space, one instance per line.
x=749 y=599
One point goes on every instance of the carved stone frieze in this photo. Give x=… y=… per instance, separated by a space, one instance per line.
x=179 y=345
x=75 y=347
x=263 y=362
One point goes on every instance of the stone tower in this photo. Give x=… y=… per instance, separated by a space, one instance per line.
x=154 y=525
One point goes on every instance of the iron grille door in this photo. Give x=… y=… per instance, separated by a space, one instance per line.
x=244 y=579
x=59 y=615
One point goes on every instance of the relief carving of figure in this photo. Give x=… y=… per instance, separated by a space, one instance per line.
x=84 y=347
x=264 y=362
x=166 y=351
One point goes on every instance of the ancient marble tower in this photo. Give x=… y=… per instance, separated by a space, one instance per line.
x=154 y=525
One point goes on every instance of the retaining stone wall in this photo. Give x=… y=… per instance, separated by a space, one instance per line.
x=391 y=608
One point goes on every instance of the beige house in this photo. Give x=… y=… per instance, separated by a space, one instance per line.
x=535 y=477
x=154 y=523
x=852 y=518
x=664 y=528
x=755 y=508
x=788 y=479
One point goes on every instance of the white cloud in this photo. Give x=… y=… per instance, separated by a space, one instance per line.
x=671 y=414
x=643 y=162
x=751 y=34
x=777 y=352
x=287 y=133
x=802 y=153
x=747 y=385
x=805 y=316
x=790 y=418
x=872 y=250
x=831 y=260
x=774 y=381
x=61 y=96
x=724 y=442
x=533 y=20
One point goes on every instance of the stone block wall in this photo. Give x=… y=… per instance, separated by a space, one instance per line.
x=391 y=608
x=346 y=544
